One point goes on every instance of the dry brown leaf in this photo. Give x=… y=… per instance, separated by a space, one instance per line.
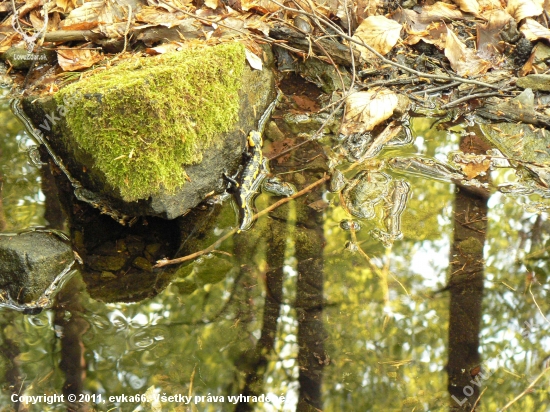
x=365 y=110
x=469 y=6
x=489 y=43
x=428 y=14
x=265 y=6
x=213 y=4
x=37 y=20
x=464 y=61
x=254 y=22
x=65 y=6
x=81 y=26
x=280 y=146
x=487 y=5
x=158 y=17
x=473 y=170
x=109 y=13
x=171 y=6
x=162 y=48
x=534 y=30
x=441 y=11
x=378 y=32
x=520 y=9
x=305 y=103
x=435 y=34
x=77 y=59
x=366 y=8
x=88 y=12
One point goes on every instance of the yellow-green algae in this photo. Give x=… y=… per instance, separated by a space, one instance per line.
x=146 y=118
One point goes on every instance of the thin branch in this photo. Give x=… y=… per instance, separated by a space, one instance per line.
x=380 y=56
x=472 y=96
x=165 y=262
x=525 y=391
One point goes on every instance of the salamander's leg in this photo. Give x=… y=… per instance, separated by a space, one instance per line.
x=232 y=180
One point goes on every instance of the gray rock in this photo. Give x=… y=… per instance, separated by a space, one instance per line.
x=29 y=263
x=535 y=81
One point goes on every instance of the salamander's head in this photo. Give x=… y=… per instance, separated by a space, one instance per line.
x=255 y=139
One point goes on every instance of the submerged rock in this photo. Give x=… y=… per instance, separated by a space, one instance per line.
x=30 y=262
x=153 y=136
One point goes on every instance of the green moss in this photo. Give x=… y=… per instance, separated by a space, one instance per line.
x=471 y=246
x=146 y=118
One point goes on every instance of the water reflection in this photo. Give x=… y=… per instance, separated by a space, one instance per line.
x=286 y=309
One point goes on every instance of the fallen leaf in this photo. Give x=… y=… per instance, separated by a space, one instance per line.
x=65 y=6
x=254 y=22
x=365 y=110
x=305 y=103
x=81 y=26
x=37 y=20
x=441 y=11
x=162 y=48
x=534 y=30
x=77 y=59
x=111 y=15
x=537 y=61
x=213 y=4
x=378 y=32
x=428 y=24
x=489 y=43
x=254 y=61
x=265 y=6
x=158 y=17
x=464 y=61
x=366 y=8
x=280 y=146
x=468 y=6
x=520 y=9
x=473 y=170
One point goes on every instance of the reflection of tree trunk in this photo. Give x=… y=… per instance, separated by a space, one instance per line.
x=274 y=292
x=12 y=375
x=466 y=289
x=72 y=349
x=53 y=212
x=309 y=307
x=2 y=217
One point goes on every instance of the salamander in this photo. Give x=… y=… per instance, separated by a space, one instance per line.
x=255 y=170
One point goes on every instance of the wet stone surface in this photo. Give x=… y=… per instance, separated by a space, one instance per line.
x=29 y=262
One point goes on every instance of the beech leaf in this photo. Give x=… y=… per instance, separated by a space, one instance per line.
x=534 y=30
x=520 y=9
x=77 y=59
x=468 y=6
x=367 y=109
x=254 y=61
x=378 y=32
x=464 y=61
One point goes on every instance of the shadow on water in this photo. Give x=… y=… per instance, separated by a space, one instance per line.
x=303 y=312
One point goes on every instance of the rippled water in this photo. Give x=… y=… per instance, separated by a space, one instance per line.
x=293 y=309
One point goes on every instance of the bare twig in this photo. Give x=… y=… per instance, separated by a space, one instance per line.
x=470 y=97
x=380 y=56
x=165 y=262
x=525 y=391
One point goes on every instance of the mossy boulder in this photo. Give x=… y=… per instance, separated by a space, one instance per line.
x=155 y=135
